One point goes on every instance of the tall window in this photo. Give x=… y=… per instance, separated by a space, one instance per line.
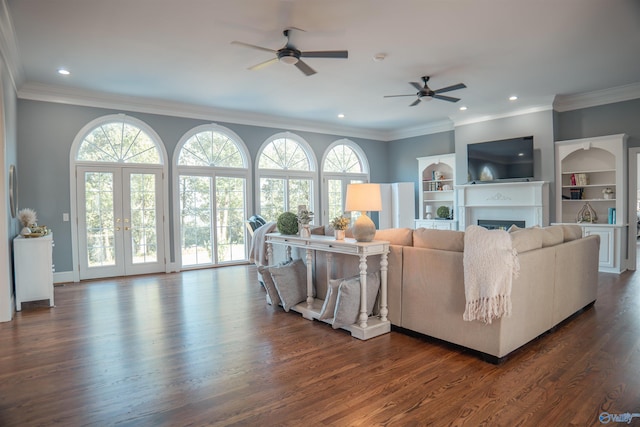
x=285 y=175
x=344 y=163
x=213 y=169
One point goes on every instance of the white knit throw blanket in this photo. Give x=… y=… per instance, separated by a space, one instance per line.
x=490 y=264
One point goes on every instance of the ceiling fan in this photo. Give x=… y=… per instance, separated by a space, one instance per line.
x=290 y=55
x=426 y=92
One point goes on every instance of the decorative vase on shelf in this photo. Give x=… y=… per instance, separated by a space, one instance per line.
x=305 y=231
x=25 y=231
x=339 y=234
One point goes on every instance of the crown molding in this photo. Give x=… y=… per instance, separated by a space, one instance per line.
x=69 y=96
x=486 y=118
x=9 y=47
x=595 y=98
x=426 y=129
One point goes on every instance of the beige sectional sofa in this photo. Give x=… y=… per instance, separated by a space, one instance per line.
x=558 y=277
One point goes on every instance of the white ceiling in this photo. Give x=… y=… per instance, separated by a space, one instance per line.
x=177 y=54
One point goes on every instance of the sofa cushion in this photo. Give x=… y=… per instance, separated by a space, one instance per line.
x=348 y=303
x=291 y=282
x=551 y=236
x=525 y=239
x=396 y=236
x=446 y=240
x=571 y=232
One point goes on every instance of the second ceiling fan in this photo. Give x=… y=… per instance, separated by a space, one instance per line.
x=424 y=91
x=290 y=55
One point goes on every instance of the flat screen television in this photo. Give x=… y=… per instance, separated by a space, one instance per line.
x=504 y=160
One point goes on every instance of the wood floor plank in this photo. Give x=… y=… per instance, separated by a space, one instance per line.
x=203 y=348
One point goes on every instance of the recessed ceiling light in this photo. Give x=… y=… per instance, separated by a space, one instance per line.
x=513 y=98
x=463 y=108
x=378 y=57
x=63 y=71
x=341 y=116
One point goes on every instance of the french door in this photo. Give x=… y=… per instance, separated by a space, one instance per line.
x=120 y=221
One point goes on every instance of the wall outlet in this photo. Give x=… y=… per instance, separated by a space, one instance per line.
x=65 y=217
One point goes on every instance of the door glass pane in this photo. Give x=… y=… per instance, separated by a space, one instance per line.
x=230 y=217
x=334 y=187
x=272 y=201
x=195 y=218
x=299 y=193
x=144 y=240
x=99 y=219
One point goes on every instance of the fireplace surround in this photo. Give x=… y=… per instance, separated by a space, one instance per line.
x=504 y=201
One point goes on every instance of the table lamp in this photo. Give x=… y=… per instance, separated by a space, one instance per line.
x=428 y=210
x=363 y=198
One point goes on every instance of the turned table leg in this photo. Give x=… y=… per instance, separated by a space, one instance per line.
x=362 y=320
x=384 y=263
x=309 y=277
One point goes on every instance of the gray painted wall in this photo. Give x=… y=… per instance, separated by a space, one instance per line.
x=611 y=119
x=402 y=163
x=47 y=130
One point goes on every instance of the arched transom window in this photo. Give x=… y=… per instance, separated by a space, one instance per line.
x=211 y=148
x=285 y=175
x=119 y=142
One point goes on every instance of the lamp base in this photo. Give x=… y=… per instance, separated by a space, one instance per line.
x=364 y=230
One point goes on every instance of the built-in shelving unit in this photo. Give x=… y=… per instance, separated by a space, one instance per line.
x=436 y=175
x=591 y=172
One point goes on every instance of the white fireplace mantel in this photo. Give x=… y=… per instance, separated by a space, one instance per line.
x=518 y=201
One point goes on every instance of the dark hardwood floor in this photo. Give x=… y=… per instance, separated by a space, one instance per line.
x=203 y=348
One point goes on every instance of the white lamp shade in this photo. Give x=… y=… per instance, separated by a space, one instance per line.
x=363 y=197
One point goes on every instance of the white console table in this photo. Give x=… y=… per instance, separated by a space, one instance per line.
x=366 y=327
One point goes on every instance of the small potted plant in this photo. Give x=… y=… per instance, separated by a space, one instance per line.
x=304 y=219
x=339 y=225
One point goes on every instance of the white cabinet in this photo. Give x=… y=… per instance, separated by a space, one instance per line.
x=33 y=266
x=591 y=172
x=609 y=252
x=436 y=175
x=437 y=224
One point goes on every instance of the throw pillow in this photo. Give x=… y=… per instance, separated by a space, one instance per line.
x=348 y=302
x=329 y=305
x=290 y=281
x=269 y=286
